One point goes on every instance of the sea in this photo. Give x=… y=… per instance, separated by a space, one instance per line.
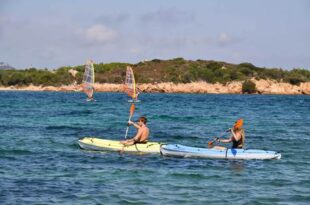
x=41 y=162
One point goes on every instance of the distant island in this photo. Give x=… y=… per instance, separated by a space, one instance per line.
x=172 y=76
x=5 y=66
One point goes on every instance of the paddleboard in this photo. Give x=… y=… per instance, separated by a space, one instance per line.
x=177 y=150
x=91 y=143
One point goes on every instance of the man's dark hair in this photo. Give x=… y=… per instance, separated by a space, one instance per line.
x=143 y=119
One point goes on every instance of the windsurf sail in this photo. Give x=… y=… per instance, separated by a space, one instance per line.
x=89 y=79
x=130 y=84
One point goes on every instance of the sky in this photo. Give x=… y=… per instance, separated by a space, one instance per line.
x=50 y=34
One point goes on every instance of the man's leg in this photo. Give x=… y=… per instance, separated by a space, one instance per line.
x=128 y=142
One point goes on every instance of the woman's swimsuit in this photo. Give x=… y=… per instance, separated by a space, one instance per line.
x=238 y=144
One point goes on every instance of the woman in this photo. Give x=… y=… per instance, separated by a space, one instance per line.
x=237 y=137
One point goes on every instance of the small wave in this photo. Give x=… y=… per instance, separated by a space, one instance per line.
x=172 y=117
x=16 y=152
x=60 y=127
x=64 y=143
x=188 y=175
x=72 y=113
x=77 y=113
x=9 y=126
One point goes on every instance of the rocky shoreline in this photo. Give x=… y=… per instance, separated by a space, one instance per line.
x=262 y=87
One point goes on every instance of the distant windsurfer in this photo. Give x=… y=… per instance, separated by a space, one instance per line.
x=89 y=90
x=130 y=86
x=142 y=133
x=138 y=91
x=89 y=80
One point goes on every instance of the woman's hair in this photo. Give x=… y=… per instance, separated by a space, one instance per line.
x=237 y=128
x=238 y=124
x=143 y=119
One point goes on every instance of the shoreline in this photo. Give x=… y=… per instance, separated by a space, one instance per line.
x=262 y=86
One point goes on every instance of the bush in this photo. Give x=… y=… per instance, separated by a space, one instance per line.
x=177 y=70
x=247 y=71
x=156 y=60
x=294 y=80
x=297 y=76
x=249 y=87
x=214 y=66
x=247 y=65
x=187 y=78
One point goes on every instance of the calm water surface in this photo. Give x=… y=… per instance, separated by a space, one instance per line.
x=41 y=162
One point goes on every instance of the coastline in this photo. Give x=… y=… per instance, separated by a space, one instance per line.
x=262 y=86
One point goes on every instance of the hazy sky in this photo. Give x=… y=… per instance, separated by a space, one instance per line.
x=52 y=33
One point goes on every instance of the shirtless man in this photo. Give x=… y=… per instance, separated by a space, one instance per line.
x=142 y=134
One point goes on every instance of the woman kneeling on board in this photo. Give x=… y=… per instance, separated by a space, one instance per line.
x=237 y=136
x=142 y=133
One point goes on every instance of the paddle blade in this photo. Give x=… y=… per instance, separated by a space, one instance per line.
x=210 y=144
x=132 y=109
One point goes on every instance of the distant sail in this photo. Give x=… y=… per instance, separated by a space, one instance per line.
x=130 y=84
x=89 y=79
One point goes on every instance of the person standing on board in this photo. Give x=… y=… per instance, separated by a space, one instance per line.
x=142 y=135
x=89 y=90
x=237 y=136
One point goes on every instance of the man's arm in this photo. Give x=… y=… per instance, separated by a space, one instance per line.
x=134 y=124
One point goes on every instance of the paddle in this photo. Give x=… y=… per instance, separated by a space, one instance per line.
x=132 y=110
x=210 y=144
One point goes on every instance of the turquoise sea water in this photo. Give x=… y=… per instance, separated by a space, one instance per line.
x=41 y=162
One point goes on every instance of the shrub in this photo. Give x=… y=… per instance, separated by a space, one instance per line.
x=176 y=70
x=297 y=76
x=249 y=87
x=247 y=65
x=294 y=80
x=214 y=66
x=156 y=60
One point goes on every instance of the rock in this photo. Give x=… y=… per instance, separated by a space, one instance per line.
x=50 y=88
x=262 y=86
x=274 y=87
x=73 y=72
x=305 y=88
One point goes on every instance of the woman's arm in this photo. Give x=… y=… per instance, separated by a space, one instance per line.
x=236 y=136
x=225 y=140
x=233 y=135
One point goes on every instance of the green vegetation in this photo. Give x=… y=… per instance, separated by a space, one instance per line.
x=35 y=77
x=176 y=70
x=248 y=87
